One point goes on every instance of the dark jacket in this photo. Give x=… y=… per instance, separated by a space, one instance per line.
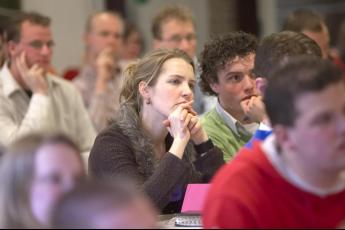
x=123 y=150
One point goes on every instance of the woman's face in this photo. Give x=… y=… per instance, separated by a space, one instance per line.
x=57 y=169
x=175 y=85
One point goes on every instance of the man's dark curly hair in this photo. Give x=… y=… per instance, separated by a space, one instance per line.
x=219 y=51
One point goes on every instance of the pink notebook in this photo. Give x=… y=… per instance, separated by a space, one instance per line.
x=195 y=197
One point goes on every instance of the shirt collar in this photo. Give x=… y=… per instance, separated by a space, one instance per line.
x=269 y=148
x=10 y=85
x=234 y=124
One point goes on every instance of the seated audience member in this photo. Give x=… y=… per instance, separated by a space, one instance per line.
x=311 y=24
x=227 y=63
x=294 y=179
x=104 y=205
x=35 y=171
x=133 y=43
x=31 y=98
x=273 y=51
x=100 y=76
x=173 y=27
x=157 y=139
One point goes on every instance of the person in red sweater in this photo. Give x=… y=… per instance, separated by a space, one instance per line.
x=295 y=178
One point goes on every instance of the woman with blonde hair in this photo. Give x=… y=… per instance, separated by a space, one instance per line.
x=34 y=172
x=157 y=139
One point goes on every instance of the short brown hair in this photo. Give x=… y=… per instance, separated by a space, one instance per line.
x=166 y=13
x=298 y=76
x=221 y=50
x=304 y=19
x=278 y=47
x=14 y=27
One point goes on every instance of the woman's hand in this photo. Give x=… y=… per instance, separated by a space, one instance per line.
x=198 y=134
x=177 y=125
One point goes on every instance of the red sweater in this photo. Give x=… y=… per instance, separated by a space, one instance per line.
x=249 y=193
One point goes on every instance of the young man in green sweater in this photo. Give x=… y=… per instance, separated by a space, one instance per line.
x=226 y=64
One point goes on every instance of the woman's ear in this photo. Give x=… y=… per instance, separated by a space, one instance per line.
x=144 y=90
x=261 y=84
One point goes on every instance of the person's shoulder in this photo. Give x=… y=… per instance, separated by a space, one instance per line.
x=113 y=133
x=67 y=87
x=245 y=168
x=211 y=118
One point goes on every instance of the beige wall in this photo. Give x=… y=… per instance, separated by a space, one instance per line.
x=68 y=19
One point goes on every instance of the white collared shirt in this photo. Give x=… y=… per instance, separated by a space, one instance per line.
x=270 y=150
x=235 y=125
x=61 y=111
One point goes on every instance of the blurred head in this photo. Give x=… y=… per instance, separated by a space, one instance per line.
x=104 y=205
x=104 y=30
x=132 y=42
x=227 y=63
x=35 y=171
x=173 y=28
x=311 y=24
x=161 y=80
x=30 y=33
x=278 y=48
x=311 y=120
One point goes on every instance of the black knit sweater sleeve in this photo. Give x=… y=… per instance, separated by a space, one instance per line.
x=113 y=156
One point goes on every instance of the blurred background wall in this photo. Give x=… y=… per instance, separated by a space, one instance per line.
x=213 y=17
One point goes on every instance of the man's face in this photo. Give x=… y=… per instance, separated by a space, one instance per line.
x=177 y=34
x=105 y=32
x=37 y=42
x=318 y=135
x=235 y=84
x=321 y=38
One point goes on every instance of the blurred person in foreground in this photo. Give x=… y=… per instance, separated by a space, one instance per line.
x=104 y=204
x=35 y=171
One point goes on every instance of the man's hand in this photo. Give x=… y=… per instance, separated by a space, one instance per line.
x=33 y=77
x=106 y=65
x=254 y=108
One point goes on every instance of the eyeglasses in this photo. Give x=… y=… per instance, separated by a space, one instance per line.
x=38 y=45
x=178 y=39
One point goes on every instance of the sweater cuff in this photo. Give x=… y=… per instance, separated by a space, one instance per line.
x=204 y=147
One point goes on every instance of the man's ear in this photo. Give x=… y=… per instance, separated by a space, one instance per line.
x=11 y=47
x=261 y=84
x=215 y=87
x=285 y=137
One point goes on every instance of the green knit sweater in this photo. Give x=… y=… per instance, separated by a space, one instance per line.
x=221 y=135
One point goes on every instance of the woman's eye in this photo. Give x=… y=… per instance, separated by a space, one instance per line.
x=175 y=81
x=192 y=86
